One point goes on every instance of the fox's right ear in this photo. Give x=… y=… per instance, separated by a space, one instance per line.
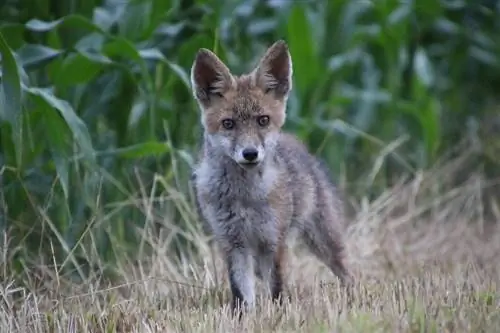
x=210 y=78
x=274 y=72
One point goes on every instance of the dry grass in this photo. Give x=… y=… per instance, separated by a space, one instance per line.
x=422 y=266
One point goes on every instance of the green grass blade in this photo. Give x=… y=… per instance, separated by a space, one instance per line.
x=12 y=97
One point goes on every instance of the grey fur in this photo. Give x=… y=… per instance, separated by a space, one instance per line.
x=251 y=211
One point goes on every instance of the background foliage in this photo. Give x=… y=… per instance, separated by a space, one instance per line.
x=96 y=109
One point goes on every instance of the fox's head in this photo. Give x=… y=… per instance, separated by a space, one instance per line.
x=242 y=115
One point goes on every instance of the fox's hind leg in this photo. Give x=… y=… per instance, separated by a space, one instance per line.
x=326 y=243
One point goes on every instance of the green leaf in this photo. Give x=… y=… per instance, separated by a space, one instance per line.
x=161 y=9
x=13 y=34
x=103 y=18
x=121 y=47
x=181 y=73
x=57 y=134
x=34 y=55
x=155 y=54
x=70 y=21
x=135 y=19
x=80 y=67
x=151 y=54
x=77 y=126
x=303 y=49
x=11 y=96
x=139 y=150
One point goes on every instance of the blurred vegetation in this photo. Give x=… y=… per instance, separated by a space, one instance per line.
x=97 y=114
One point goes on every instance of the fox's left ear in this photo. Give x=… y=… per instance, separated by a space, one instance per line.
x=274 y=72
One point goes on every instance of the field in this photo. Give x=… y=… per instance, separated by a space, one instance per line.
x=99 y=131
x=441 y=276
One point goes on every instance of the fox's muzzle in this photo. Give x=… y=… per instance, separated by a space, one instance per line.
x=249 y=155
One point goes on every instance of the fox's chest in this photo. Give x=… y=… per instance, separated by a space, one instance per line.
x=235 y=184
x=237 y=206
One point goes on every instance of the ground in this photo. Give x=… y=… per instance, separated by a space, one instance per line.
x=421 y=265
x=433 y=299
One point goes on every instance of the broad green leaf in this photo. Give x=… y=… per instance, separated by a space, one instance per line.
x=115 y=98
x=428 y=10
x=59 y=139
x=160 y=9
x=70 y=21
x=400 y=14
x=423 y=68
x=92 y=41
x=103 y=18
x=139 y=108
x=34 y=54
x=139 y=150
x=77 y=126
x=96 y=57
x=121 y=47
x=7 y=148
x=261 y=27
x=12 y=98
x=135 y=19
x=13 y=34
x=345 y=59
x=181 y=73
x=155 y=54
x=186 y=51
x=485 y=56
x=80 y=67
x=151 y=54
x=303 y=49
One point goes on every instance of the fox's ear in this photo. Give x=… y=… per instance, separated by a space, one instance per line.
x=210 y=78
x=274 y=72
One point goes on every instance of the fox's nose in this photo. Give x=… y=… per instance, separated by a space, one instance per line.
x=250 y=154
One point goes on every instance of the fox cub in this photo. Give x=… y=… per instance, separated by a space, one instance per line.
x=255 y=184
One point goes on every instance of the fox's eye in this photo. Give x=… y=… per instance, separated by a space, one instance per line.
x=228 y=123
x=263 y=120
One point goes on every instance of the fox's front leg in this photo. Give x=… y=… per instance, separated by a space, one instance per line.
x=271 y=264
x=241 y=278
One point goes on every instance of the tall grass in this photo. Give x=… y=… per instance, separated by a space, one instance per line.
x=98 y=128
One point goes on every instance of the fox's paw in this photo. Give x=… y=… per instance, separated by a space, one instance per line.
x=238 y=307
x=281 y=299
